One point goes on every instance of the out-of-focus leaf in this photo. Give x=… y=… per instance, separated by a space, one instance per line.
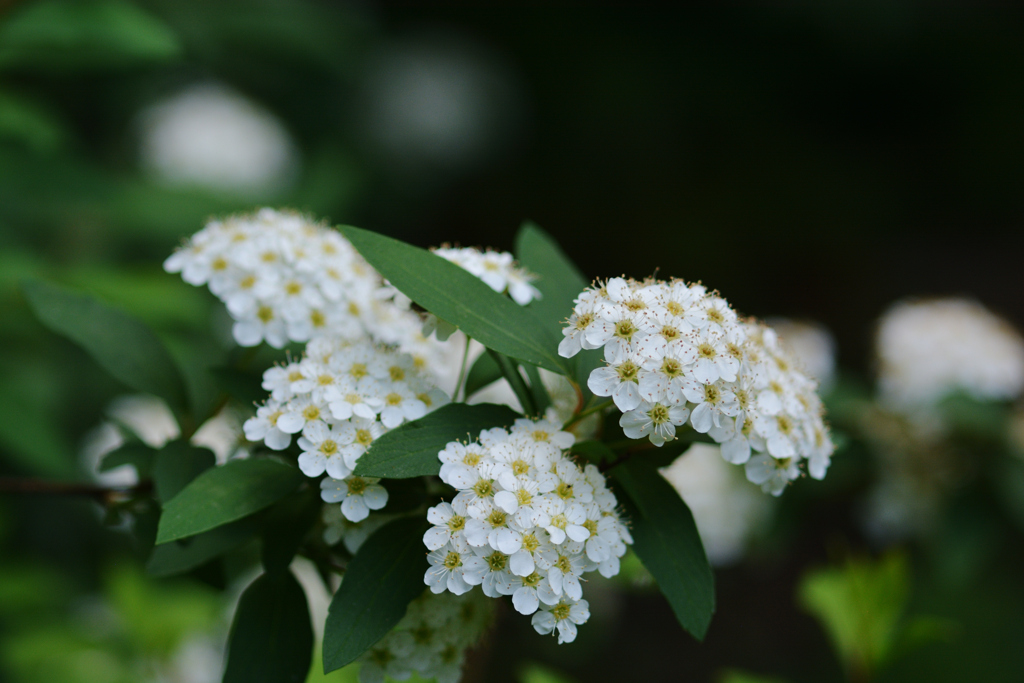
x=188 y=553
x=285 y=527
x=224 y=494
x=271 y=637
x=594 y=451
x=176 y=465
x=244 y=387
x=77 y=35
x=380 y=582
x=122 y=345
x=462 y=299
x=138 y=455
x=411 y=449
x=540 y=674
x=736 y=676
x=860 y=606
x=666 y=540
x=26 y=122
x=29 y=437
x=483 y=372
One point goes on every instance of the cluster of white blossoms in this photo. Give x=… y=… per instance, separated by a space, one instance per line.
x=339 y=398
x=430 y=641
x=678 y=354
x=527 y=522
x=282 y=277
x=497 y=269
x=929 y=349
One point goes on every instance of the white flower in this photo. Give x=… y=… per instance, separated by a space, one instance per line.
x=673 y=349
x=656 y=421
x=773 y=474
x=454 y=568
x=357 y=495
x=264 y=427
x=563 y=617
x=929 y=349
x=712 y=402
x=321 y=451
x=619 y=380
x=211 y=136
x=536 y=520
x=447 y=523
x=497 y=270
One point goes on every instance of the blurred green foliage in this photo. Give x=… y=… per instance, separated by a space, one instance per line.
x=855 y=153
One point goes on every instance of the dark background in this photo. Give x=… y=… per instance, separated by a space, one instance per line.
x=809 y=161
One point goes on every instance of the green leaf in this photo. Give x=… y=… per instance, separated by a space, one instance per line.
x=122 y=345
x=411 y=450
x=244 y=387
x=286 y=525
x=224 y=494
x=737 y=676
x=666 y=540
x=380 y=582
x=484 y=371
x=138 y=455
x=861 y=606
x=176 y=465
x=271 y=637
x=73 y=35
x=595 y=452
x=188 y=553
x=462 y=299
x=560 y=282
x=31 y=437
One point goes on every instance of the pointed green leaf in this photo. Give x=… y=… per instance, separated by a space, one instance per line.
x=380 y=582
x=411 y=450
x=451 y=293
x=188 y=553
x=666 y=541
x=122 y=345
x=286 y=525
x=271 y=637
x=138 y=455
x=224 y=494
x=560 y=282
x=176 y=465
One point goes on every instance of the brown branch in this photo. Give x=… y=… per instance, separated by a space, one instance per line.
x=103 y=494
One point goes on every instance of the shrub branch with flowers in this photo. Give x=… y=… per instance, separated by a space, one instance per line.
x=417 y=507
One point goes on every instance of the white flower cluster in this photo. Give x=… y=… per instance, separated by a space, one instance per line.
x=341 y=396
x=527 y=522
x=497 y=269
x=282 y=277
x=929 y=349
x=677 y=353
x=430 y=641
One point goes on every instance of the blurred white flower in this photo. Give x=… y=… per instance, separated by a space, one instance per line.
x=929 y=349
x=441 y=101
x=812 y=345
x=212 y=136
x=148 y=417
x=728 y=509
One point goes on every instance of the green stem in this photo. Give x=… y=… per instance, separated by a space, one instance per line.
x=511 y=373
x=586 y=413
x=462 y=371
